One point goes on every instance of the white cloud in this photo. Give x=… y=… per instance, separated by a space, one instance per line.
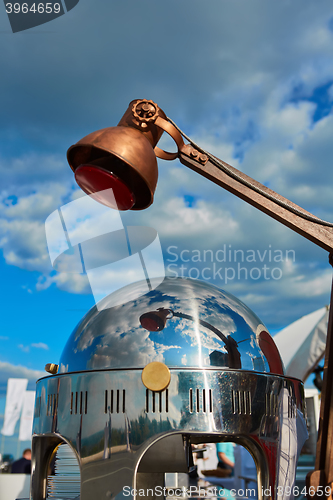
x=23 y=244
x=24 y=348
x=37 y=345
x=7 y=370
x=69 y=282
x=206 y=221
x=22 y=231
x=40 y=345
x=32 y=185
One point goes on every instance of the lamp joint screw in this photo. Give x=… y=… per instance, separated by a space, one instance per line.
x=203 y=158
x=145 y=111
x=194 y=153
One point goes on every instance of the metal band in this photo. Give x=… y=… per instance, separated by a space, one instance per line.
x=173 y=132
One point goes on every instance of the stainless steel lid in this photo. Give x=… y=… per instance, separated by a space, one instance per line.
x=182 y=323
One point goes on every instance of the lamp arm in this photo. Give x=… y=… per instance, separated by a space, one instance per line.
x=318 y=234
x=212 y=328
x=230 y=343
x=253 y=192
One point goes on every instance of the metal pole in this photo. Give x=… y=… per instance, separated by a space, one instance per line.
x=322 y=476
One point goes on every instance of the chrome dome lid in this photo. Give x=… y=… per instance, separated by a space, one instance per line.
x=183 y=323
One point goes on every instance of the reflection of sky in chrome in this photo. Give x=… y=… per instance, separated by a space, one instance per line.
x=114 y=338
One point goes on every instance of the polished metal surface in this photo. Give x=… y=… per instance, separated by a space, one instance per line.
x=114 y=338
x=125 y=435
x=111 y=420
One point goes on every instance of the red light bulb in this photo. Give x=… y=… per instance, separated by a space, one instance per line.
x=95 y=181
x=150 y=324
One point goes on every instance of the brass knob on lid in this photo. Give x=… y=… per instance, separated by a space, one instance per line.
x=156 y=376
x=51 y=368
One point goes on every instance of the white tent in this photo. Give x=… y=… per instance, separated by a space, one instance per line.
x=302 y=343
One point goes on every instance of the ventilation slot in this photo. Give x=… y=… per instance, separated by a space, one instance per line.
x=147 y=400
x=38 y=406
x=272 y=405
x=241 y=402
x=153 y=399
x=79 y=403
x=191 y=400
x=114 y=401
x=200 y=401
x=52 y=405
x=157 y=402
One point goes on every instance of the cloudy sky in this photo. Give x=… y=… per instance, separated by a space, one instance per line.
x=249 y=80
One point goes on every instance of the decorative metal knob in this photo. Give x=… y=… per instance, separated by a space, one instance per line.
x=156 y=376
x=145 y=111
x=51 y=368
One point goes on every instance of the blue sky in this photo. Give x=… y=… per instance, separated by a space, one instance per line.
x=252 y=82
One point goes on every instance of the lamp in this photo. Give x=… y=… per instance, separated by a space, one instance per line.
x=124 y=158
x=121 y=158
x=155 y=321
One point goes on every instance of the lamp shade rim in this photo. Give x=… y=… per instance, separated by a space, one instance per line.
x=108 y=152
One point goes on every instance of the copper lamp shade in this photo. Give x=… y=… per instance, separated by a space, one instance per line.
x=124 y=152
x=121 y=158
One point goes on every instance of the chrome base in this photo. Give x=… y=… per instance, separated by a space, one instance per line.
x=127 y=436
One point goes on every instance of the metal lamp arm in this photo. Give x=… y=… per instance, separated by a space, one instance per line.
x=230 y=343
x=320 y=233
x=203 y=323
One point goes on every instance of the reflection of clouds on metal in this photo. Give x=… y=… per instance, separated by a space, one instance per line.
x=155 y=321
x=114 y=338
x=87 y=237
x=188 y=331
x=293 y=435
x=129 y=431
